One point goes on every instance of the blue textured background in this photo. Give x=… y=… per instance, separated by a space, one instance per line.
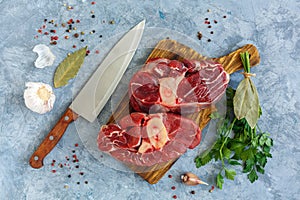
x=273 y=26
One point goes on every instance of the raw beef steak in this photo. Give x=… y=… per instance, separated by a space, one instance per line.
x=164 y=85
x=147 y=139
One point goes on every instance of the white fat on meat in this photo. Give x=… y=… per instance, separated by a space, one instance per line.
x=153 y=64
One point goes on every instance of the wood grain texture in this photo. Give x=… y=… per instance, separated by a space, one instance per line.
x=173 y=50
x=53 y=137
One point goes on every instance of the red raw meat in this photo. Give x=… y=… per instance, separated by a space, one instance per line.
x=148 y=139
x=164 y=85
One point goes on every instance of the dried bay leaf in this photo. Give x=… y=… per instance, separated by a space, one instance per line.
x=246 y=101
x=252 y=115
x=242 y=99
x=69 y=67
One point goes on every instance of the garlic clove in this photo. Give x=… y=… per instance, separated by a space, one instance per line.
x=45 y=56
x=39 y=97
x=191 y=179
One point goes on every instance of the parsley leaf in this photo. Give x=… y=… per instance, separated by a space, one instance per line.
x=230 y=174
x=237 y=145
x=220 y=181
x=252 y=176
x=203 y=160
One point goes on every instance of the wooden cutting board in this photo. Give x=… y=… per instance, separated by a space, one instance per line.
x=173 y=50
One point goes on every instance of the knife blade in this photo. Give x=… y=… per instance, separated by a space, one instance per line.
x=95 y=93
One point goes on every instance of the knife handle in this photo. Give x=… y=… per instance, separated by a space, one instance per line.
x=36 y=160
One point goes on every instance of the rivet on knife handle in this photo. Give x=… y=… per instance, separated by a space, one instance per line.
x=36 y=160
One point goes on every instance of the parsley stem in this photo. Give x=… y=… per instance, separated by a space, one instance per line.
x=226 y=137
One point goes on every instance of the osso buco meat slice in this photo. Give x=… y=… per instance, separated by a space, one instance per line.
x=148 y=139
x=164 y=85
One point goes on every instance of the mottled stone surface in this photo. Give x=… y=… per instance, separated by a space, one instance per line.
x=273 y=26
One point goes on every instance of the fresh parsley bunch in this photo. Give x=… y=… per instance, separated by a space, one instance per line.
x=239 y=143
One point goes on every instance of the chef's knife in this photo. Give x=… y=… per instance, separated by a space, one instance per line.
x=95 y=93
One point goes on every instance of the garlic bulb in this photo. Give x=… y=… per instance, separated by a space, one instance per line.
x=39 y=97
x=191 y=179
x=45 y=56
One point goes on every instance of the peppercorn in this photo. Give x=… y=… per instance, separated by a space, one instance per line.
x=199 y=35
x=212 y=188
